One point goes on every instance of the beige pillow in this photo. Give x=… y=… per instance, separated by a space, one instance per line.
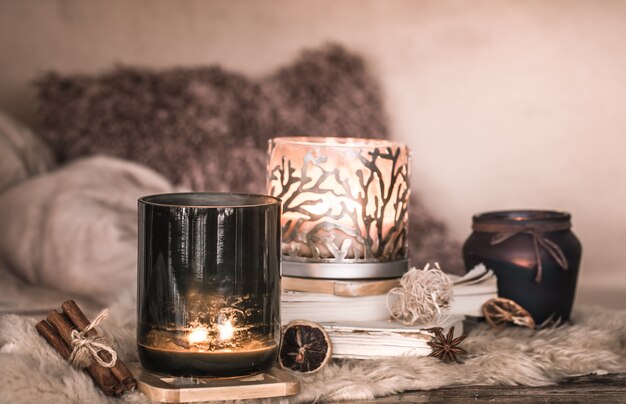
x=22 y=154
x=75 y=229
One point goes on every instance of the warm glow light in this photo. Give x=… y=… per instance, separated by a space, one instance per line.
x=226 y=330
x=198 y=335
x=343 y=199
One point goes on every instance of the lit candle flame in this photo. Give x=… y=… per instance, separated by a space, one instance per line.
x=198 y=335
x=226 y=330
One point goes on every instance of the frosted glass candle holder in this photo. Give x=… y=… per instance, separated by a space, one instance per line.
x=345 y=206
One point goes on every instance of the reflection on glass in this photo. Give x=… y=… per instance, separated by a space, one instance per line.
x=209 y=283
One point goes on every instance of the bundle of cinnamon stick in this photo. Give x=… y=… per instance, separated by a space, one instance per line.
x=57 y=330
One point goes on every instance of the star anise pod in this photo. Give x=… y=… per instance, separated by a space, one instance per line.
x=446 y=348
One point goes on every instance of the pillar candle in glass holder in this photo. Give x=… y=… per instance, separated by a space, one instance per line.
x=345 y=200
x=209 y=283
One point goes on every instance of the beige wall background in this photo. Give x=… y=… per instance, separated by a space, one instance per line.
x=505 y=104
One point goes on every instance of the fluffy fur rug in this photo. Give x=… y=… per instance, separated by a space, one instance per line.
x=31 y=372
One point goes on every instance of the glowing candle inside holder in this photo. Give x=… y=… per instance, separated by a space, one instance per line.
x=345 y=201
x=209 y=283
x=226 y=330
x=198 y=335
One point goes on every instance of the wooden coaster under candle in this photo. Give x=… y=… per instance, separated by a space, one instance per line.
x=164 y=388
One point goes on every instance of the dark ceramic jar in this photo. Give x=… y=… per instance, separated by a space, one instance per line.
x=535 y=256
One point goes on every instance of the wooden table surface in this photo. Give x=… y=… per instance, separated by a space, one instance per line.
x=585 y=389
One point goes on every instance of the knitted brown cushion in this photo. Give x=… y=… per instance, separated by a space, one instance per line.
x=207 y=129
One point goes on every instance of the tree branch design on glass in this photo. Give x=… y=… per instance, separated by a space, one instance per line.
x=344 y=200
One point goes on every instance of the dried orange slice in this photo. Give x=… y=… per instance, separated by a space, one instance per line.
x=499 y=311
x=305 y=347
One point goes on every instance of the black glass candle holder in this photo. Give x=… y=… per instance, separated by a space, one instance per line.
x=208 y=283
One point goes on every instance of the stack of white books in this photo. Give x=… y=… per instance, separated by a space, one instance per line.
x=360 y=327
x=324 y=308
x=386 y=338
x=470 y=292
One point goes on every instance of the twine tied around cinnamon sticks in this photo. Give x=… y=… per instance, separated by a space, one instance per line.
x=87 y=348
x=70 y=333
